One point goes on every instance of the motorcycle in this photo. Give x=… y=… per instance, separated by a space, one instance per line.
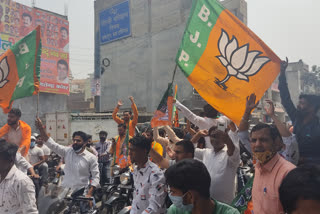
x=78 y=204
x=53 y=161
x=119 y=193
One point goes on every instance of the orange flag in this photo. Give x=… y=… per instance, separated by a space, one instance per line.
x=224 y=60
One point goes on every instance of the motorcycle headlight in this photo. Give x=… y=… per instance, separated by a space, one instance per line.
x=125 y=178
x=116 y=169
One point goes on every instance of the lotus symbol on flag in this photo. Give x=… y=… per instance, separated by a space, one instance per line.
x=239 y=61
x=4 y=72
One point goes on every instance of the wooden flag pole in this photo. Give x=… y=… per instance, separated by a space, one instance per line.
x=38 y=104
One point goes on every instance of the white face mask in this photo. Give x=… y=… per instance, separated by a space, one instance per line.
x=178 y=202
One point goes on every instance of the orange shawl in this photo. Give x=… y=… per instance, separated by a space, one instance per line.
x=25 y=133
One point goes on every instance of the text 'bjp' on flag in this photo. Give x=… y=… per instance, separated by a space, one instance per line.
x=224 y=60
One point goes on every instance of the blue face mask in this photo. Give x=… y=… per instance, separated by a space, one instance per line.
x=178 y=202
x=32 y=144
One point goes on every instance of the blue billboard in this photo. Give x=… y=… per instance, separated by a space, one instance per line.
x=115 y=23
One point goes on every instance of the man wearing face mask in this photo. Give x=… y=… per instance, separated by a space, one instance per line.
x=103 y=148
x=270 y=170
x=80 y=165
x=189 y=190
x=304 y=119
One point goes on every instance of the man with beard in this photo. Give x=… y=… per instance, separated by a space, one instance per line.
x=304 y=119
x=81 y=167
x=16 y=131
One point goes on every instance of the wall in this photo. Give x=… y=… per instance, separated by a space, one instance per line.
x=142 y=65
x=48 y=103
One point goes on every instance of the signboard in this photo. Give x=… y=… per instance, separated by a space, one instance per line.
x=115 y=23
x=17 y=20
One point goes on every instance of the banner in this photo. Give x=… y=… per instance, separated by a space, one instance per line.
x=224 y=60
x=163 y=115
x=18 y=20
x=20 y=70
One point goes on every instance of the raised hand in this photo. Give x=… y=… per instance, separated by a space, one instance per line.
x=203 y=133
x=270 y=109
x=251 y=103
x=120 y=103
x=284 y=65
x=38 y=123
x=131 y=99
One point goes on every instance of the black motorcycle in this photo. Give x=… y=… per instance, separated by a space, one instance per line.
x=119 y=194
x=78 y=204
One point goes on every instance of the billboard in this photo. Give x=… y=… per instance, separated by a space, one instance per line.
x=17 y=20
x=115 y=23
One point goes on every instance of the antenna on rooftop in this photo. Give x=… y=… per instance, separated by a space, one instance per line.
x=33 y=3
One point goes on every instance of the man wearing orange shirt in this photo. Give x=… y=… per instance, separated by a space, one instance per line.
x=16 y=131
x=271 y=169
x=131 y=124
x=120 y=148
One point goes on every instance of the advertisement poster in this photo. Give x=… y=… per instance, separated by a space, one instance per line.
x=17 y=20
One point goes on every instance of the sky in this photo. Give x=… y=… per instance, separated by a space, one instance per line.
x=289 y=27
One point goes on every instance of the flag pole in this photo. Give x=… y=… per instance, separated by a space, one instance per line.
x=174 y=73
x=38 y=104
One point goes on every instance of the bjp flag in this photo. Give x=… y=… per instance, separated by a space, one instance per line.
x=20 y=70
x=224 y=60
x=163 y=115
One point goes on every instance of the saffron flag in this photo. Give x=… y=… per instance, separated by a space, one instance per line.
x=163 y=115
x=20 y=70
x=224 y=60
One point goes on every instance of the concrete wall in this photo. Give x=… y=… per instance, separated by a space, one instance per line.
x=48 y=103
x=142 y=65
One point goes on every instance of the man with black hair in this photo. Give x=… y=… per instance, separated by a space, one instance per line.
x=183 y=150
x=149 y=182
x=204 y=123
x=64 y=37
x=269 y=171
x=304 y=119
x=38 y=161
x=189 y=190
x=154 y=145
x=126 y=119
x=26 y=24
x=90 y=146
x=222 y=161
x=62 y=71
x=300 y=190
x=16 y=131
x=17 y=191
x=81 y=167
x=103 y=148
x=119 y=148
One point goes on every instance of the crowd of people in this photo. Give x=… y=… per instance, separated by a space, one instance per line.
x=196 y=168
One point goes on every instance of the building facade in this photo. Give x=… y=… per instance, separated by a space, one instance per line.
x=142 y=64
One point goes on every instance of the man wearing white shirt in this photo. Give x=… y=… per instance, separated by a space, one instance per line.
x=45 y=149
x=37 y=160
x=17 y=191
x=222 y=162
x=204 y=123
x=80 y=165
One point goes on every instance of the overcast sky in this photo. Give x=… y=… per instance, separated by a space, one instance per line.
x=290 y=27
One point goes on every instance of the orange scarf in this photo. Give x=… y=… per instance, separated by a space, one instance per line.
x=25 y=133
